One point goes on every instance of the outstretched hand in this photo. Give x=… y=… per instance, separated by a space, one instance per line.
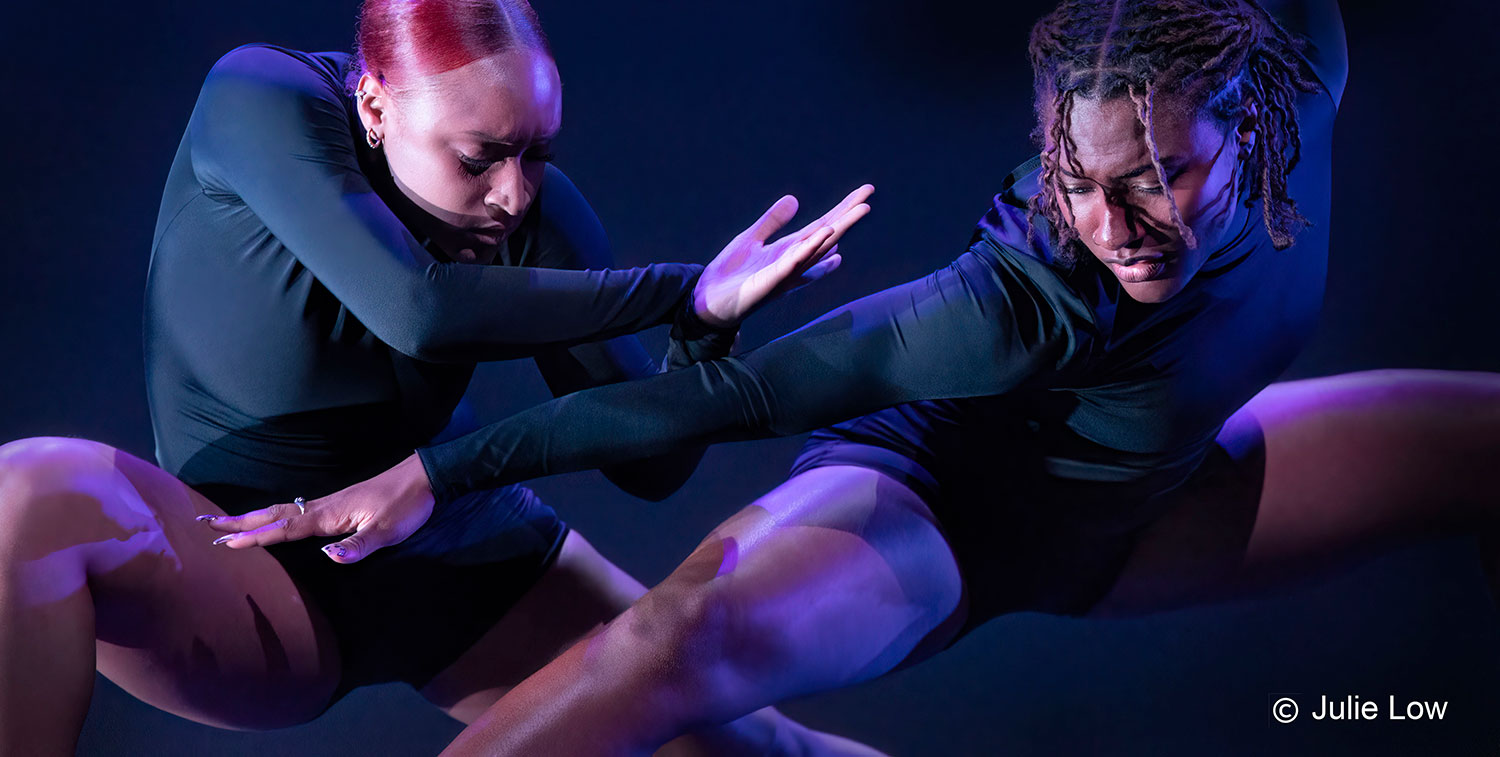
x=376 y=513
x=750 y=271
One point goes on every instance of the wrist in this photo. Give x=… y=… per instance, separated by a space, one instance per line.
x=419 y=472
x=702 y=315
x=694 y=321
x=693 y=340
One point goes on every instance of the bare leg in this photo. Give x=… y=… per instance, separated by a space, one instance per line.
x=101 y=563
x=833 y=578
x=1327 y=470
x=577 y=596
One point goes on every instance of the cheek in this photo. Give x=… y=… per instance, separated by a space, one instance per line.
x=1075 y=211
x=439 y=183
x=1202 y=203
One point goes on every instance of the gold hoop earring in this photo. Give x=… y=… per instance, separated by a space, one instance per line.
x=372 y=137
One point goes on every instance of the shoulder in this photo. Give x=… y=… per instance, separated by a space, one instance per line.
x=1008 y=224
x=264 y=71
x=262 y=103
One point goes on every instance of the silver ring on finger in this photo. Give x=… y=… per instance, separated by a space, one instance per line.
x=301 y=505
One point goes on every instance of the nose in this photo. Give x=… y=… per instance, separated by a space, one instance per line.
x=510 y=193
x=1114 y=230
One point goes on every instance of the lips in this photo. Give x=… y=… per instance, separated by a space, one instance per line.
x=488 y=235
x=1139 y=268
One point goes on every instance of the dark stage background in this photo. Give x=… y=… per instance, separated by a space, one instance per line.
x=683 y=120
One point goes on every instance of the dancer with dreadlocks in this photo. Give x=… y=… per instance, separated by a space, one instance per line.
x=1072 y=443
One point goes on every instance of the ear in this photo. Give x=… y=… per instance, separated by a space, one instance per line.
x=1249 y=123
x=374 y=106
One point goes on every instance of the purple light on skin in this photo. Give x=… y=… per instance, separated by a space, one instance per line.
x=731 y=557
x=51 y=577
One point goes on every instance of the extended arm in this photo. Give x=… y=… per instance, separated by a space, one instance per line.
x=983 y=325
x=990 y=322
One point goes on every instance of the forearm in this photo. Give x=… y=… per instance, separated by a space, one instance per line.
x=596 y=428
x=625 y=359
x=953 y=334
x=691 y=341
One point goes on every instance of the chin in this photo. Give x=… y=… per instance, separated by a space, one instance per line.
x=1154 y=292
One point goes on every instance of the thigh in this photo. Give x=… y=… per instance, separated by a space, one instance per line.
x=575 y=597
x=1319 y=472
x=1022 y=541
x=834 y=577
x=413 y=610
x=214 y=635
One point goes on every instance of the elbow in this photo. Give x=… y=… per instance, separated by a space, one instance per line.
x=651 y=495
x=653 y=481
x=415 y=325
x=648 y=488
x=657 y=491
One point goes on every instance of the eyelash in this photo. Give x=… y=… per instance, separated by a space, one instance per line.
x=476 y=167
x=1151 y=190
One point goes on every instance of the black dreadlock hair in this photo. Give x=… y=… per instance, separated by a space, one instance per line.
x=1212 y=55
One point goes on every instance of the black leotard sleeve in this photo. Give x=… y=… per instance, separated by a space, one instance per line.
x=571 y=237
x=983 y=325
x=268 y=133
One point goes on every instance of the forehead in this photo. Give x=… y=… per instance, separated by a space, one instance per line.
x=1107 y=138
x=514 y=94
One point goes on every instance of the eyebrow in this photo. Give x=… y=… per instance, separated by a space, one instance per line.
x=1168 y=164
x=507 y=143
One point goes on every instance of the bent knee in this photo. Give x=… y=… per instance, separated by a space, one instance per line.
x=698 y=623
x=47 y=463
x=688 y=613
x=57 y=491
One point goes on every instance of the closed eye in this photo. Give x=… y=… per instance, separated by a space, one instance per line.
x=474 y=166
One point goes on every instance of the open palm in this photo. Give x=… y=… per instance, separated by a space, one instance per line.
x=750 y=271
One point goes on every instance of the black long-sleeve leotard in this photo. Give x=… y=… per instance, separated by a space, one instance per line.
x=298 y=337
x=1125 y=397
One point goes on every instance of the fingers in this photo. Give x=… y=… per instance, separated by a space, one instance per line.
x=284 y=523
x=278 y=531
x=822 y=268
x=841 y=216
x=850 y=201
x=251 y=520
x=273 y=525
x=814 y=269
x=773 y=219
x=808 y=251
x=358 y=546
x=844 y=223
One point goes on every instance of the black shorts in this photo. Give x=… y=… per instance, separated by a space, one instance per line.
x=1023 y=540
x=408 y=611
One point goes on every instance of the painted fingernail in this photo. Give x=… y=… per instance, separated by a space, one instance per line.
x=223 y=539
x=207 y=517
x=335 y=550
